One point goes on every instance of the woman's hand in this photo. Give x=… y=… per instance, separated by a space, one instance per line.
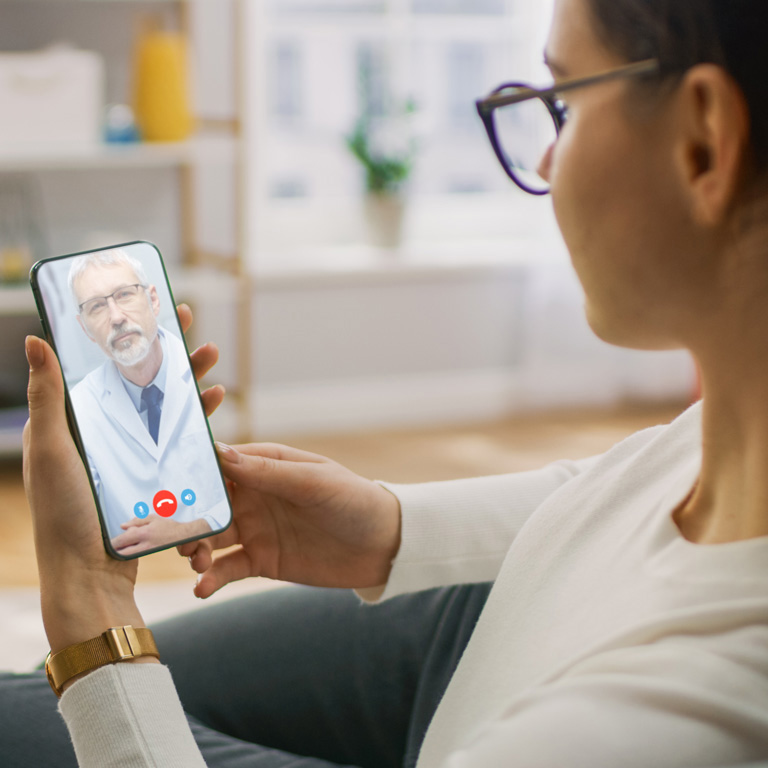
x=203 y=360
x=298 y=517
x=83 y=590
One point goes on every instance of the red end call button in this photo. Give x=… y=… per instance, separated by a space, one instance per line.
x=164 y=503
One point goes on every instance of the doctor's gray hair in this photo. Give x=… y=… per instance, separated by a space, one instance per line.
x=110 y=257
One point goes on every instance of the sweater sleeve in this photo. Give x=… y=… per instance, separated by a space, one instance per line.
x=459 y=531
x=129 y=716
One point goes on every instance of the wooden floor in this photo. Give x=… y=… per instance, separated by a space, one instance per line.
x=399 y=456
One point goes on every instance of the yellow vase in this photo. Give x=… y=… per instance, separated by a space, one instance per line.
x=161 y=95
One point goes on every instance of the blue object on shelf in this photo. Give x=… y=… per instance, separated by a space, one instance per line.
x=120 y=125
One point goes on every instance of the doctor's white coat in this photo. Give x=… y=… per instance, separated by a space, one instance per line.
x=126 y=465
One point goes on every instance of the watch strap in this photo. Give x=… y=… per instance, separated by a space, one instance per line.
x=116 y=644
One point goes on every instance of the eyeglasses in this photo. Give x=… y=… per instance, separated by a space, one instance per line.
x=125 y=296
x=523 y=122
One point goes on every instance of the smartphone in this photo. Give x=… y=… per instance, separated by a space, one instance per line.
x=132 y=400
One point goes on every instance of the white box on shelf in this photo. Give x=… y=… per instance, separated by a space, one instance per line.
x=52 y=96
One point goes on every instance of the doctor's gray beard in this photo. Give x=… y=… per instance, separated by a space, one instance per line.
x=131 y=351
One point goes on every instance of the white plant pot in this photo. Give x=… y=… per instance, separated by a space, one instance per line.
x=384 y=215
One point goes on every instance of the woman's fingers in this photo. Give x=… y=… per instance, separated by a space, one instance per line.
x=206 y=356
x=279 y=452
x=185 y=316
x=53 y=470
x=201 y=559
x=229 y=567
x=203 y=359
x=285 y=479
x=212 y=398
x=47 y=417
x=201 y=550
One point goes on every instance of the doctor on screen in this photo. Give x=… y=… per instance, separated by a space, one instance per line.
x=143 y=431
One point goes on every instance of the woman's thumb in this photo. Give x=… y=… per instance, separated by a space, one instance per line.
x=45 y=392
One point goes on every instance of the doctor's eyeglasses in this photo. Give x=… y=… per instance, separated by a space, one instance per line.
x=96 y=308
x=523 y=122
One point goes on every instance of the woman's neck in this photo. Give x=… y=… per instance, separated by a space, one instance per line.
x=730 y=500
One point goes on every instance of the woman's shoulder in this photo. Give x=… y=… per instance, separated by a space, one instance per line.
x=679 y=438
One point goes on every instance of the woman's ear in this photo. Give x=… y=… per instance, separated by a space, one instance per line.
x=713 y=141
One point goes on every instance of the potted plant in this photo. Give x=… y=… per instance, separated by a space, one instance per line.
x=385 y=149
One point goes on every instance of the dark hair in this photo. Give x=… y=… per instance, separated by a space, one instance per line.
x=683 y=33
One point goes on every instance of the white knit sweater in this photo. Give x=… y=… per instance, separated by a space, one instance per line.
x=608 y=640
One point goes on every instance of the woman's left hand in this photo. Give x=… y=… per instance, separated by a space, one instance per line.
x=83 y=590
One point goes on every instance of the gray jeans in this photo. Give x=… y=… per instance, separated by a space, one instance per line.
x=291 y=678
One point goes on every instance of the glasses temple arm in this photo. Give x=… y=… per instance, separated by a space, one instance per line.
x=646 y=67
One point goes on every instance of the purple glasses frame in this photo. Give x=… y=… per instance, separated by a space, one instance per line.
x=516 y=93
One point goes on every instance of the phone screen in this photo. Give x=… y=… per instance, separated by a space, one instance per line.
x=134 y=405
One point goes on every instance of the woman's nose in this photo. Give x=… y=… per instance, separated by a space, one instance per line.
x=545 y=164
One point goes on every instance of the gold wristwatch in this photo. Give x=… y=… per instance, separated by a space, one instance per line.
x=116 y=644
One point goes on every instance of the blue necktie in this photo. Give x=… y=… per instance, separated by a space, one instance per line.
x=152 y=398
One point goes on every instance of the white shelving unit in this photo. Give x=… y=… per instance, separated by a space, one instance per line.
x=114 y=156
x=96 y=186
x=16 y=301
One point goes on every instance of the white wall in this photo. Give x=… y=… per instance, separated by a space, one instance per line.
x=403 y=347
x=479 y=315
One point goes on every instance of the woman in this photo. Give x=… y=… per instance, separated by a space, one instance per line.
x=628 y=620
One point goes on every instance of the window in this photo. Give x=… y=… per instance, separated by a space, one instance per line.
x=465 y=68
x=287 y=83
x=326 y=7
x=473 y=7
x=327 y=62
x=371 y=72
